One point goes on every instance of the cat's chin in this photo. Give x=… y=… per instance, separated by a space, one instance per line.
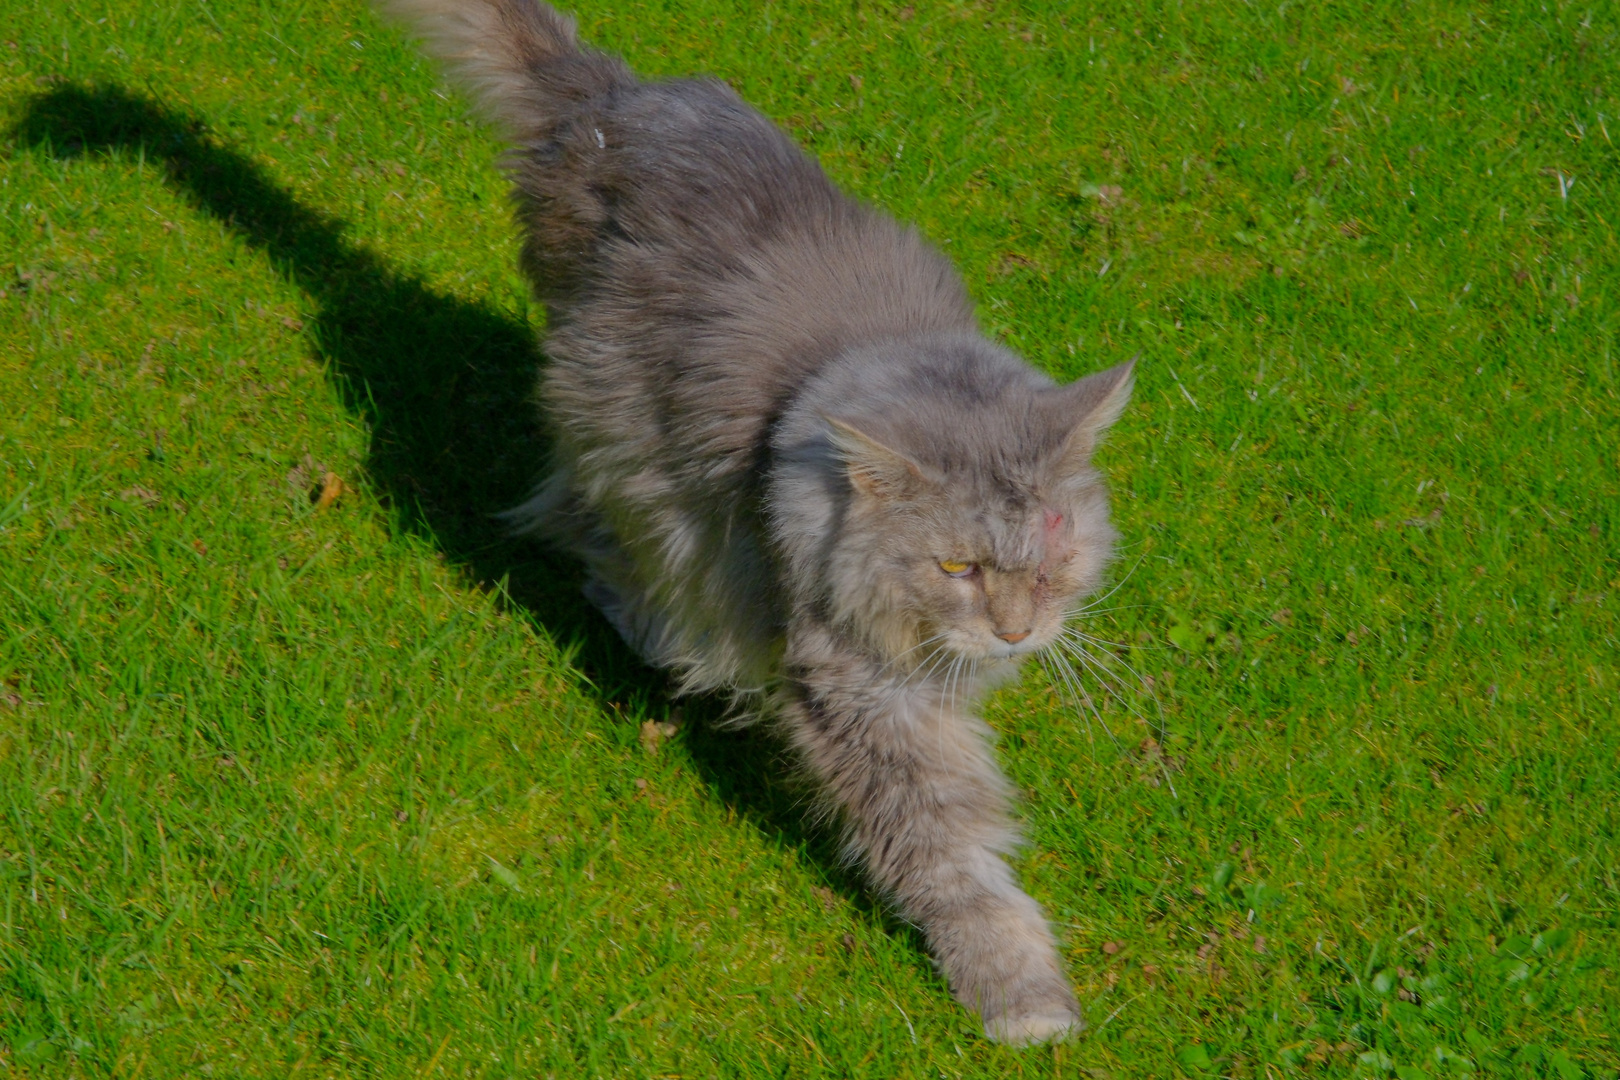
x=993 y=656
x=993 y=671
x=1012 y=654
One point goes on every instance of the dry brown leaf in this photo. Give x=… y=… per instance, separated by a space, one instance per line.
x=655 y=734
x=331 y=489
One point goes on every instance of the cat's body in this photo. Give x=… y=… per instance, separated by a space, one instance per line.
x=796 y=472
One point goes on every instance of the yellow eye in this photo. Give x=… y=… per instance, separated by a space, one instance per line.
x=956 y=569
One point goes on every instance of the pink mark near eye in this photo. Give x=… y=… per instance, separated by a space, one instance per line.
x=1052 y=519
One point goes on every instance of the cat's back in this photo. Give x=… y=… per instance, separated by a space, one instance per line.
x=724 y=267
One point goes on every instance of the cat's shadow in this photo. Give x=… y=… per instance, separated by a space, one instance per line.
x=444 y=386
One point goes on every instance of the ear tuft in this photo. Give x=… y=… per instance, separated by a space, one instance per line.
x=1093 y=404
x=874 y=469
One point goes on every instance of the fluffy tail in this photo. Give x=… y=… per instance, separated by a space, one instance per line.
x=518 y=60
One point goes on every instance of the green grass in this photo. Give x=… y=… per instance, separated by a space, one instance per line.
x=360 y=790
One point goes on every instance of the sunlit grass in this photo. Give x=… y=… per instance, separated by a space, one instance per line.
x=363 y=788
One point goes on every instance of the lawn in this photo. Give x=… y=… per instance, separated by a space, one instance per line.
x=305 y=769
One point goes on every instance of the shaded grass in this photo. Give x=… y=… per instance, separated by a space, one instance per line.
x=356 y=789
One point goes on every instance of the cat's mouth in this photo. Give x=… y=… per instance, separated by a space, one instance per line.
x=973 y=648
x=1028 y=647
x=996 y=649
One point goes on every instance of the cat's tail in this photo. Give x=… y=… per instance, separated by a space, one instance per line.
x=519 y=61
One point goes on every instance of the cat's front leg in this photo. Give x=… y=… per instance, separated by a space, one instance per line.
x=926 y=809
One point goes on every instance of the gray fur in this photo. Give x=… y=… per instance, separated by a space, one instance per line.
x=775 y=420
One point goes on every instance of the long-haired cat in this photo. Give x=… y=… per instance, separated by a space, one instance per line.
x=795 y=470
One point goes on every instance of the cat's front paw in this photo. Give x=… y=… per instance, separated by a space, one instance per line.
x=1005 y=966
x=1028 y=1028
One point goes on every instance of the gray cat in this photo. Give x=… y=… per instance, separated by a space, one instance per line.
x=795 y=470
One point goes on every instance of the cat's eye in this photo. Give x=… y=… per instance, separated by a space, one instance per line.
x=956 y=569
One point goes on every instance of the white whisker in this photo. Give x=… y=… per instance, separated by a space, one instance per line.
x=1091 y=609
x=907 y=652
x=1115 y=685
x=1120 y=584
x=1080 y=635
x=950 y=683
x=1081 y=696
x=1097 y=655
x=919 y=674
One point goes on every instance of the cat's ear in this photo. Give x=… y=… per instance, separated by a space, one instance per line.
x=873 y=468
x=1091 y=405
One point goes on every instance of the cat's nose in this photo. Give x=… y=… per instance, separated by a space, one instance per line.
x=1012 y=638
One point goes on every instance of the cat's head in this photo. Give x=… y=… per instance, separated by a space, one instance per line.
x=974 y=522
